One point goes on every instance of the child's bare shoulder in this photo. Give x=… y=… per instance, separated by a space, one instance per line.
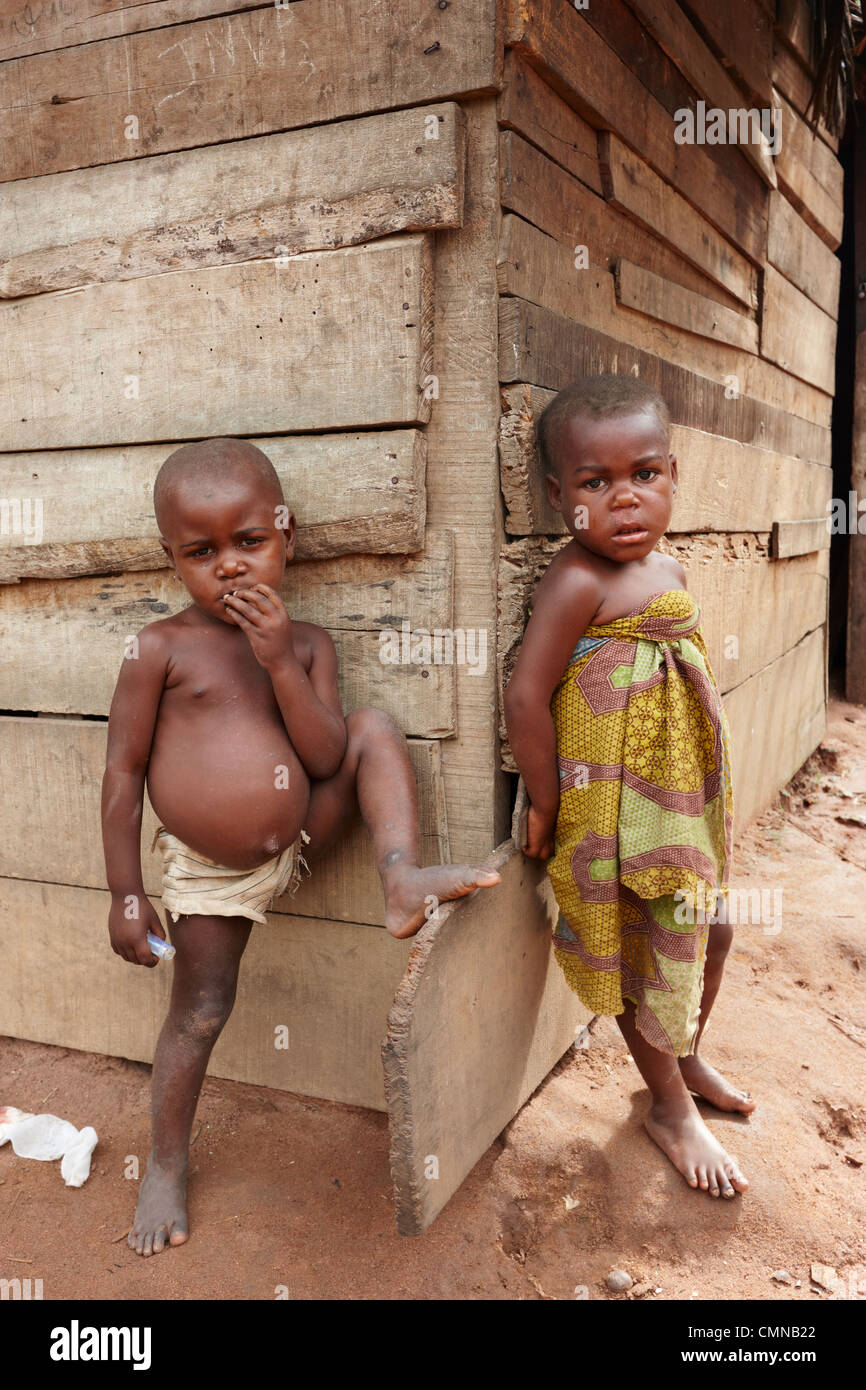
x=570 y=576
x=155 y=638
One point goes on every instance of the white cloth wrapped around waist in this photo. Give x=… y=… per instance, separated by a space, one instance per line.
x=194 y=884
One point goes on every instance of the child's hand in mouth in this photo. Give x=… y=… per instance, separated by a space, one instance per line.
x=261 y=614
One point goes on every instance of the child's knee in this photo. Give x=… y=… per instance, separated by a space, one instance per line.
x=368 y=723
x=203 y=1018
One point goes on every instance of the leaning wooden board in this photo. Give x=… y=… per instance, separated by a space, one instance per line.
x=274 y=195
x=482 y=1014
x=273 y=68
x=58 y=838
x=349 y=493
x=68 y=637
x=329 y=340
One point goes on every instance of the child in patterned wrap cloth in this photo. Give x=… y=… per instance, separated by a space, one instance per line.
x=617 y=727
x=645 y=814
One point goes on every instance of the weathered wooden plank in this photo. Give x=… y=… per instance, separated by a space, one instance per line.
x=632 y=187
x=670 y=28
x=462 y=480
x=275 y=195
x=564 y=47
x=796 y=333
x=273 y=68
x=538 y=268
x=532 y=108
x=801 y=255
x=484 y=977
x=349 y=493
x=546 y=349
x=64 y=985
x=647 y=293
x=730 y=578
x=722 y=484
x=782 y=712
x=256 y=348
x=810 y=175
x=551 y=199
x=27 y=28
x=68 y=637
x=50 y=820
x=799 y=537
x=631 y=40
x=742 y=35
x=375 y=593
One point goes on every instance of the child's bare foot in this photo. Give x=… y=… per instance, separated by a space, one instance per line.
x=160 y=1217
x=679 y=1131
x=409 y=891
x=706 y=1082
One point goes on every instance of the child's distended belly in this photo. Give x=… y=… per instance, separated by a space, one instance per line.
x=228 y=783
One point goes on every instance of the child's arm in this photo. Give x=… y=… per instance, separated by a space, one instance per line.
x=562 y=608
x=310 y=704
x=131 y=723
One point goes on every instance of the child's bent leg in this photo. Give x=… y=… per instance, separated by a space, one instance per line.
x=674 y=1122
x=376 y=777
x=698 y=1075
x=204 y=980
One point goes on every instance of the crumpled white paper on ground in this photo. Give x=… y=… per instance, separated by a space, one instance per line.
x=47 y=1137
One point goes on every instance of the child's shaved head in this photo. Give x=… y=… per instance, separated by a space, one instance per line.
x=598 y=397
x=207 y=462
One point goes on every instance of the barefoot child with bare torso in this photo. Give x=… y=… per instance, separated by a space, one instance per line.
x=230 y=710
x=617 y=727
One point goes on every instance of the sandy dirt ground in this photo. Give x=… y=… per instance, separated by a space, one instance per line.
x=572 y=1189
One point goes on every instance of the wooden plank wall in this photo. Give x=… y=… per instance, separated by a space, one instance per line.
x=707 y=269
x=226 y=217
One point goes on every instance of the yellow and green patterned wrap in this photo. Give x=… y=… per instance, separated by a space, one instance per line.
x=646 y=810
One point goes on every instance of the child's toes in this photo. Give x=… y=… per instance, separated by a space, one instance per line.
x=159 y=1239
x=702 y=1178
x=735 y=1176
